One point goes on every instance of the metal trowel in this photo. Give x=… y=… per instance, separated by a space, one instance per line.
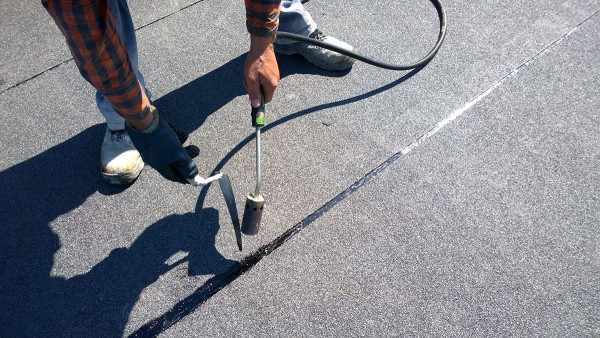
x=227 y=190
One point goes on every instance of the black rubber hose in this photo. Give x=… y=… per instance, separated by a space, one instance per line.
x=380 y=64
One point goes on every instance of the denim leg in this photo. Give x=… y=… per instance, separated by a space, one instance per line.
x=294 y=18
x=120 y=12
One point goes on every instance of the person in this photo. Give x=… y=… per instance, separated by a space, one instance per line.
x=101 y=37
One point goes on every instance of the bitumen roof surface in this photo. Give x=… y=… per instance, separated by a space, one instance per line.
x=460 y=199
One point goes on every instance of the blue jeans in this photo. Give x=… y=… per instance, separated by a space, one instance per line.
x=294 y=19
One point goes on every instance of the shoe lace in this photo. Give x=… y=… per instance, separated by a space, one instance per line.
x=317 y=35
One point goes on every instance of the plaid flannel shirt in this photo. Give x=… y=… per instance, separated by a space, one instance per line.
x=262 y=17
x=91 y=34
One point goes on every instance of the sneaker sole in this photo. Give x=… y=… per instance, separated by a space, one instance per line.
x=292 y=49
x=123 y=179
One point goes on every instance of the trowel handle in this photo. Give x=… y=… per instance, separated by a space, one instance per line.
x=258 y=116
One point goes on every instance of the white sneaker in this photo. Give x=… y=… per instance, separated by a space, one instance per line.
x=120 y=162
x=320 y=57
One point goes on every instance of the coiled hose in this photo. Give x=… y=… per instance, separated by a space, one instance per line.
x=371 y=61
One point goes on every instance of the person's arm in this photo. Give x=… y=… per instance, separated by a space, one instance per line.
x=102 y=59
x=91 y=34
x=262 y=17
x=261 y=73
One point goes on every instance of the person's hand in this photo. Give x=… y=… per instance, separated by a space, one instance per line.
x=261 y=72
x=161 y=148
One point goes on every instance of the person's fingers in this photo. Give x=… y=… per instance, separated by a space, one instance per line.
x=185 y=170
x=268 y=88
x=253 y=89
x=192 y=150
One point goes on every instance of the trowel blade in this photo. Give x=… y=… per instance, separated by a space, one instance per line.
x=225 y=185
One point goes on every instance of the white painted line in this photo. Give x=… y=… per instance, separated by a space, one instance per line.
x=459 y=112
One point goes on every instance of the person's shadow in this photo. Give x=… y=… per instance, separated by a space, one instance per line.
x=98 y=302
x=39 y=190
x=188 y=107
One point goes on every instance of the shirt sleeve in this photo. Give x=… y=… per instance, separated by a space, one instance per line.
x=262 y=17
x=99 y=53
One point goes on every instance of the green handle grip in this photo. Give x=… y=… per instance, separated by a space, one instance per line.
x=258 y=116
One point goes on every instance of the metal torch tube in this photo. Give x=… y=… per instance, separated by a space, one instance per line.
x=258 y=173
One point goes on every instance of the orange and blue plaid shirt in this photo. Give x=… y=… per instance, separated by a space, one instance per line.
x=262 y=16
x=101 y=56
